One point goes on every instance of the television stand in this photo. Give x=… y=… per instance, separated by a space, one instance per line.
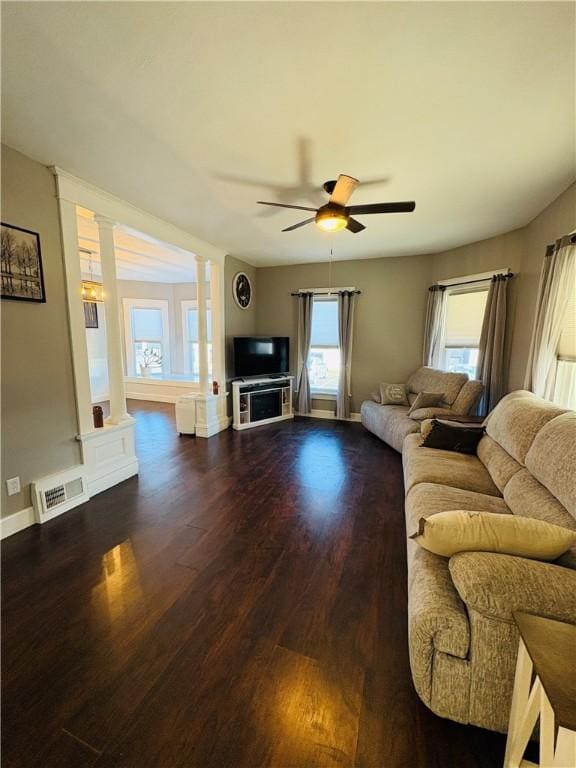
x=262 y=401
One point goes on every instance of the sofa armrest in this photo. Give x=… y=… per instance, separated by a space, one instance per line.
x=432 y=413
x=496 y=585
x=437 y=616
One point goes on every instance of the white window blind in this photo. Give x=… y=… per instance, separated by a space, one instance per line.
x=192 y=315
x=147 y=324
x=567 y=345
x=324 y=323
x=464 y=316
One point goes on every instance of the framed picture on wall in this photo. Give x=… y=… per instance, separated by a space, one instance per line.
x=21 y=262
x=90 y=314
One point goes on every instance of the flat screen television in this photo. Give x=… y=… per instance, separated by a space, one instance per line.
x=261 y=355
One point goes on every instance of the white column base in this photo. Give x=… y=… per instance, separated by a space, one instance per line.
x=211 y=416
x=109 y=455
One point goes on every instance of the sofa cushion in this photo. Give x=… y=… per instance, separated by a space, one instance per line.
x=393 y=394
x=459 y=530
x=427 y=499
x=552 y=459
x=468 y=397
x=452 y=437
x=498 y=585
x=432 y=465
x=517 y=419
x=426 y=400
x=499 y=464
x=525 y=496
x=431 y=380
x=390 y=423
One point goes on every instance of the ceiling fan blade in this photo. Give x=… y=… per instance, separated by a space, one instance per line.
x=285 y=205
x=406 y=207
x=354 y=226
x=300 y=224
x=343 y=189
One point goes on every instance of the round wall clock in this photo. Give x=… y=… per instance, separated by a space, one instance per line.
x=242 y=290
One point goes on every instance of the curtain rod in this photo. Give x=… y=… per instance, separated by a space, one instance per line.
x=441 y=287
x=562 y=241
x=321 y=293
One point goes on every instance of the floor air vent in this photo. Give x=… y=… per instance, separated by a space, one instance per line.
x=58 y=493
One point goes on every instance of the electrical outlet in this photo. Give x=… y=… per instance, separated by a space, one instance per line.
x=13 y=486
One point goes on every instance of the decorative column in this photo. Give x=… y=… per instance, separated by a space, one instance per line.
x=211 y=416
x=76 y=319
x=202 y=324
x=118 y=412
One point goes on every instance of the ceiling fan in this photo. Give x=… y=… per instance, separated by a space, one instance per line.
x=336 y=214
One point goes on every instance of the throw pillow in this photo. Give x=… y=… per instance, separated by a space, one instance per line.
x=448 y=533
x=453 y=437
x=426 y=400
x=393 y=394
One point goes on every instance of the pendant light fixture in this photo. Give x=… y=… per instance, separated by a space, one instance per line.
x=91 y=289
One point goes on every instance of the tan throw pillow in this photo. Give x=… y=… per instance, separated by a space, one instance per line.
x=426 y=400
x=393 y=394
x=448 y=533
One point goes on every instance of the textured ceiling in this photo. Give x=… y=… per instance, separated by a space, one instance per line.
x=193 y=111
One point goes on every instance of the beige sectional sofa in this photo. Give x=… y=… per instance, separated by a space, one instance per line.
x=462 y=637
x=391 y=423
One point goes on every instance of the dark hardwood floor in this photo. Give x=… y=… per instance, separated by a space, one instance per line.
x=240 y=604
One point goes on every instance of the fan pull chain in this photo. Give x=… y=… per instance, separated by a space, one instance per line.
x=330 y=273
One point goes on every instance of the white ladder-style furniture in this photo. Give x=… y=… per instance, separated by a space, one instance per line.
x=545 y=689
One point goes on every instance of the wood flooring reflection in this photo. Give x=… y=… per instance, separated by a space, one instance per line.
x=240 y=604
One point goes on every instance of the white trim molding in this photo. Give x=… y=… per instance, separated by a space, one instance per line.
x=317 y=413
x=16 y=522
x=109 y=455
x=80 y=192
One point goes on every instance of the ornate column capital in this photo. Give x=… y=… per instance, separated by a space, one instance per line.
x=104 y=222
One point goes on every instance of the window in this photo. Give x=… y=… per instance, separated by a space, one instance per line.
x=565 y=384
x=463 y=326
x=324 y=356
x=191 y=343
x=146 y=330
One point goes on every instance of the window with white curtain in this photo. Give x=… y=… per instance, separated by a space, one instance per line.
x=147 y=337
x=324 y=355
x=565 y=384
x=463 y=328
x=191 y=338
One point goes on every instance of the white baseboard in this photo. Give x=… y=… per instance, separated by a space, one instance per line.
x=317 y=413
x=17 y=522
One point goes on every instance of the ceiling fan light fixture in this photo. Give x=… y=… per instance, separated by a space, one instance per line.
x=331 y=220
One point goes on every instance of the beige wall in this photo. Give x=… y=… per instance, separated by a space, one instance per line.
x=390 y=311
x=389 y=316
x=239 y=322
x=38 y=405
